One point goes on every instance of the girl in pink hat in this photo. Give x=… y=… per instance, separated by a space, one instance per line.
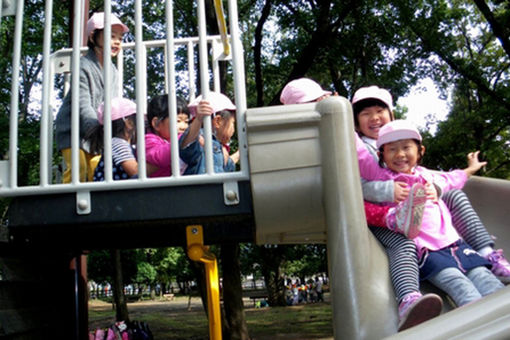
x=91 y=94
x=123 y=116
x=444 y=258
x=373 y=109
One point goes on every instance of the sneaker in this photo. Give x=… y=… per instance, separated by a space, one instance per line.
x=407 y=216
x=500 y=265
x=416 y=308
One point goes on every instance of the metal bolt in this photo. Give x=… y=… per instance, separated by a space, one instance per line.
x=83 y=205
x=231 y=195
x=194 y=230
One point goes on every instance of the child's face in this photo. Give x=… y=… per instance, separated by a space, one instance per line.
x=182 y=122
x=116 y=40
x=371 y=119
x=225 y=129
x=402 y=156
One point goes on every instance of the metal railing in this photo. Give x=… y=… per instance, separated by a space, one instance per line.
x=67 y=61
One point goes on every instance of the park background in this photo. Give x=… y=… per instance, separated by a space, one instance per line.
x=463 y=47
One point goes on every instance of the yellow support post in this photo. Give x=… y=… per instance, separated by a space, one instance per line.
x=200 y=253
x=222 y=25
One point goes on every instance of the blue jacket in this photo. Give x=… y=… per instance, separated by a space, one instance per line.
x=194 y=155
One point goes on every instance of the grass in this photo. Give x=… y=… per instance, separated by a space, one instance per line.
x=172 y=320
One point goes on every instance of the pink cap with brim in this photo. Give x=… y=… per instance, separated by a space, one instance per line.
x=302 y=90
x=121 y=107
x=397 y=130
x=373 y=92
x=217 y=100
x=96 y=21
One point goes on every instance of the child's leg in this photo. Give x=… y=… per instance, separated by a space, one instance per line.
x=470 y=227
x=466 y=220
x=458 y=286
x=484 y=280
x=402 y=259
x=414 y=308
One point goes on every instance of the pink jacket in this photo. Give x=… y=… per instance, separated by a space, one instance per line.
x=157 y=152
x=437 y=230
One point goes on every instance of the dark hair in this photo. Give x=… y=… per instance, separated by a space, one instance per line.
x=95 y=136
x=363 y=104
x=95 y=36
x=159 y=105
x=225 y=114
x=420 y=153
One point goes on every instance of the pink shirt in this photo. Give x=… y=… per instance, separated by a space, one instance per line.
x=157 y=152
x=437 y=230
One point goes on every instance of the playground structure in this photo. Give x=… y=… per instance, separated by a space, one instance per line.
x=298 y=182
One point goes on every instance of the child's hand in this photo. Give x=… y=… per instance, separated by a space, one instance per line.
x=204 y=109
x=235 y=157
x=401 y=191
x=473 y=163
x=431 y=192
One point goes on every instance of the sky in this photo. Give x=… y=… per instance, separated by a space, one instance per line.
x=422 y=100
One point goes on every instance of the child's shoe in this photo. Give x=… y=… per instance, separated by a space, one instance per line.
x=500 y=265
x=416 y=308
x=407 y=216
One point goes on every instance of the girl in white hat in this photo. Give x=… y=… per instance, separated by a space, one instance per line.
x=445 y=260
x=91 y=94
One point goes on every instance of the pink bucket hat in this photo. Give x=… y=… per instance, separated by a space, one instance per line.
x=302 y=90
x=217 y=100
x=373 y=92
x=121 y=107
x=397 y=130
x=96 y=21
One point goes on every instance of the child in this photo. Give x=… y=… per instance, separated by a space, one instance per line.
x=157 y=139
x=91 y=94
x=123 y=115
x=372 y=108
x=302 y=90
x=445 y=260
x=223 y=128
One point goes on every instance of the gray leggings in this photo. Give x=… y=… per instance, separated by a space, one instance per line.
x=466 y=288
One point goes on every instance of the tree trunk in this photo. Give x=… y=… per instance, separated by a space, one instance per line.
x=121 y=310
x=272 y=259
x=235 y=327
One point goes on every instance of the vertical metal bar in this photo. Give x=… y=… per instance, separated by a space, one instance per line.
x=170 y=61
x=215 y=66
x=75 y=93
x=140 y=76
x=191 y=71
x=204 y=82
x=120 y=68
x=239 y=85
x=107 y=74
x=13 y=123
x=45 y=118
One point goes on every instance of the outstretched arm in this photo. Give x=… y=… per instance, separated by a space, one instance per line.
x=474 y=163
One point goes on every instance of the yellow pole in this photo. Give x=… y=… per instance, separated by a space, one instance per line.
x=222 y=25
x=198 y=252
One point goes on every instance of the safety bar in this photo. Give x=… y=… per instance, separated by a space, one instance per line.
x=56 y=63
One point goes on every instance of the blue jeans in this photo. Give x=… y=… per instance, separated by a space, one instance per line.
x=467 y=288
